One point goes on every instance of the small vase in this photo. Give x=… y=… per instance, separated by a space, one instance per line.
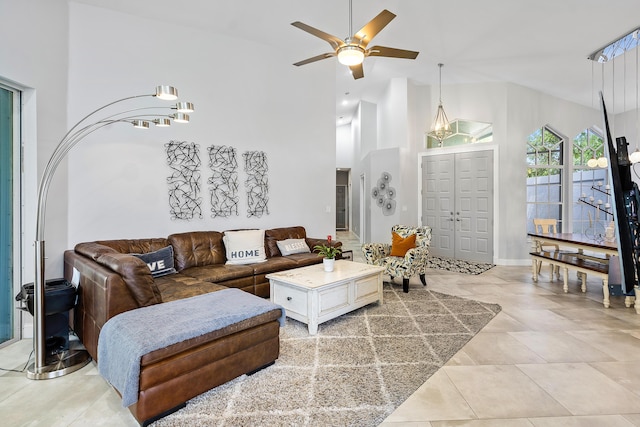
x=328 y=263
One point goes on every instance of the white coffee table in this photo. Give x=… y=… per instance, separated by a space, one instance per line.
x=313 y=296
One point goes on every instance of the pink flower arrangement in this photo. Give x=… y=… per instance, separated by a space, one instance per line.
x=328 y=250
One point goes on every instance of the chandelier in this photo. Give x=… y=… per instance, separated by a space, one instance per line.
x=441 y=128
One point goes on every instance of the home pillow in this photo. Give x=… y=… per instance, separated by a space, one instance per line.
x=293 y=246
x=400 y=246
x=244 y=246
x=160 y=262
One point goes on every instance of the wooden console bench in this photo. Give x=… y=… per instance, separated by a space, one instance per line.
x=584 y=264
x=576 y=261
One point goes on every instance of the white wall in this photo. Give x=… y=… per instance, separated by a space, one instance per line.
x=393 y=115
x=34 y=57
x=367 y=122
x=419 y=116
x=376 y=163
x=401 y=118
x=364 y=140
x=527 y=111
x=117 y=177
x=34 y=60
x=344 y=147
x=627 y=125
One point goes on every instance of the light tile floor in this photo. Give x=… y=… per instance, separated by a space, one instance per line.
x=548 y=359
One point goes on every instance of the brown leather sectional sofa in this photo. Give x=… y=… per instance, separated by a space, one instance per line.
x=113 y=281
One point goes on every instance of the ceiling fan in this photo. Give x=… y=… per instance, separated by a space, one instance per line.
x=352 y=50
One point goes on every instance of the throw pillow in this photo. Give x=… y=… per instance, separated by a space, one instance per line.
x=160 y=262
x=293 y=246
x=400 y=245
x=244 y=246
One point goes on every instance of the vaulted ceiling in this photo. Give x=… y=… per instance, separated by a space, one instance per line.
x=539 y=44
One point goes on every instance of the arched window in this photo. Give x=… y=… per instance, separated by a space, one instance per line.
x=588 y=181
x=545 y=171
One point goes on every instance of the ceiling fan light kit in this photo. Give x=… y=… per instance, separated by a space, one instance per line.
x=353 y=50
x=350 y=55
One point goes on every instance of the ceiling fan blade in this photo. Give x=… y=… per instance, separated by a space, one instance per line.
x=334 y=41
x=391 y=52
x=357 y=71
x=369 y=31
x=315 y=58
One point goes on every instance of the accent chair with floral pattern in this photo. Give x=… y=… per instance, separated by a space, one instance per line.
x=414 y=262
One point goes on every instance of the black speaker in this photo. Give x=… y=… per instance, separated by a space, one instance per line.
x=56 y=332
x=59 y=298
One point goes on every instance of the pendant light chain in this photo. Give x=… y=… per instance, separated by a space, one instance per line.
x=440 y=68
x=624 y=92
x=635 y=156
x=350 y=19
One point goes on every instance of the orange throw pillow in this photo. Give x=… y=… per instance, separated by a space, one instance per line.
x=400 y=246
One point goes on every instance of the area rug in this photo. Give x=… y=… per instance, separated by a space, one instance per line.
x=354 y=372
x=457 y=265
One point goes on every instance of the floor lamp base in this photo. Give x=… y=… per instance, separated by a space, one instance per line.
x=60 y=364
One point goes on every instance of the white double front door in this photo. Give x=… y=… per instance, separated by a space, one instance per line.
x=457 y=202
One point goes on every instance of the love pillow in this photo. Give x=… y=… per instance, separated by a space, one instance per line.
x=160 y=262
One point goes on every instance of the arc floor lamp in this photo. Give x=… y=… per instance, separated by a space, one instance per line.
x=141 y=118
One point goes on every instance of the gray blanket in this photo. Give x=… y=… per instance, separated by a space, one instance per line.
x=127 y=337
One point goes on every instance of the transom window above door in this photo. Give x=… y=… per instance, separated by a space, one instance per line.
x=464 y=132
